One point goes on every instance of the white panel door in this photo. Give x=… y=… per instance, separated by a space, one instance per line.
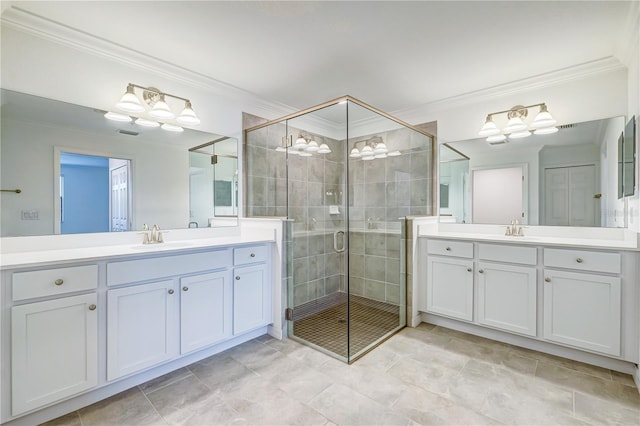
x=582 y=310
x=569 y=196
x=507 y=297
x=54 y=350
x=206 y=302
x=142 y=327
x=120 y=198
x=497 y=195
x=251 y=299
x=450 y=287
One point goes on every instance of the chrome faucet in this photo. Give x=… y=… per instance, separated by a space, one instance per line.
x=371 y=224
x=312 y=224
x=193 y=223
x=151 y=237
x=515 y=230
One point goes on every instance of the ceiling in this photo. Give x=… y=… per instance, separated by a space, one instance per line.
x=393 y=55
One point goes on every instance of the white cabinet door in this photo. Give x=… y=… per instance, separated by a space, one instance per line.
x=142 y=327
x=251 y=299
x=450 y=287
x=507 y=297
x=54 y=350
x=582 y=310
x=205 y=310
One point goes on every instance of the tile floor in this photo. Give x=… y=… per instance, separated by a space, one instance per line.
x=426 y=375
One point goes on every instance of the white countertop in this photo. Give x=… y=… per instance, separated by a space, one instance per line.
x=560 y=236
x=43 y=257
x=536 y=240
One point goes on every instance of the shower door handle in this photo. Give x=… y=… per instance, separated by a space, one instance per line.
x=335 y=241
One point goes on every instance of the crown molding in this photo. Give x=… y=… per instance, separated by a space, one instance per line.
x=577 y=72
x=24 y=21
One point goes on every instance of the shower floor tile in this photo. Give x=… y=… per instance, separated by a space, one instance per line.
x=328 y=328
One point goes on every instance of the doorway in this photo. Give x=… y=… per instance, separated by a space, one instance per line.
x=570 y=197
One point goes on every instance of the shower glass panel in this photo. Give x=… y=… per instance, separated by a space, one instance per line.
x=346 y=176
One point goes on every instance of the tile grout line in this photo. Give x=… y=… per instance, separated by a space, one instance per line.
x=153 y=406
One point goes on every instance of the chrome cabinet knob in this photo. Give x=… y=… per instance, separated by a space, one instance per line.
x=448 y=249
x=238 y=277
x=252 y=255
x=481 y=271
x=185 y=288
x=59 y=281
x=547 y=279
x=469 y=269
x=579 y=260
x=171 y=291
x=92 y=307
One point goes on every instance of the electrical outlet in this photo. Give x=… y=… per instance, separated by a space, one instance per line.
x=30 y=215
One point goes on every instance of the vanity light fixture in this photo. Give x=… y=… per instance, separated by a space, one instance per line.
x=303 y=147
x=373 y=148
x=517 y=128
x=159 y=112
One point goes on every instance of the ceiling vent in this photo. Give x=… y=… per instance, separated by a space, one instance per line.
x=498 y=142
x=128 y=132
x=567 y=126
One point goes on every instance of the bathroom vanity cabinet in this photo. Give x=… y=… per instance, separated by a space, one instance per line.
x=100 y=327
x=573 y=297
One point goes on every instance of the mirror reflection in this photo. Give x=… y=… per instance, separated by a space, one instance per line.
x=213 y=183
x=567 y=178
x=78 y=172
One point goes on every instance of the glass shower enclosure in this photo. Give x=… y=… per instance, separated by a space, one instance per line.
x=346 y=176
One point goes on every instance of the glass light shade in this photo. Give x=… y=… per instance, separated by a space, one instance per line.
x=355 y=153
x=130 y=102
x=519 y=135
x=312 y=146
x=496 y=138
x=188 y=116
x=367 y=158
x=393 y=154
x=304 y=154
x=300 y=142
x=281 y=149
x=324 y=149
x=293 y=152
x=489 y=128
x=546 y=131
x=515 y=124
x=367 y=151
x=171 y=128
x=117 y=117
x=543 y=119
x=147 y=123
x=381 y=148
x=381 y=155
x=161 y=110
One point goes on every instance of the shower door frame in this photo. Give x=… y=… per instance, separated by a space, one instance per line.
x=289 y=238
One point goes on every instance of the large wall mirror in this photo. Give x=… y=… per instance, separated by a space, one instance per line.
x=78 y=172
x=567 y=178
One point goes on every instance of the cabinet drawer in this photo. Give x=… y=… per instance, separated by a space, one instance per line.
x=252 y=254
x=594 y=261
x=160 y=267
x=50 y=282
x=450 y=248
x=508 y=253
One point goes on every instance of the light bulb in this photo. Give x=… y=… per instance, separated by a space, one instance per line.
x=546 y=131
x=188 y=116
x=117 y=117
x=496 y=138
x=324 y=149
x=129 y=101
x=171 y=128
x=489 y=128
x=520 y=134
x=147 y=123
x=515 y=124
x=543 y=119
x=161 y=110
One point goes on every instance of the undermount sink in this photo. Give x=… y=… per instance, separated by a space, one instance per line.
x=161 y=246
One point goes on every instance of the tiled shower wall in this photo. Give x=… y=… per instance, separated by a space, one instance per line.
x=380 y=192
